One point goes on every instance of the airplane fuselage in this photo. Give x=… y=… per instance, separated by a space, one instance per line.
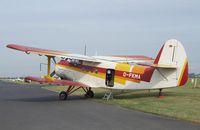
x=114 y=75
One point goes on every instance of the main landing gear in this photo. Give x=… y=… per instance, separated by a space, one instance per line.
x=63 y=95
x=71 y=89
x=89 y=93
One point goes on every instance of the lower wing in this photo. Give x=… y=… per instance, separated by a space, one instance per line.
x=53 y=81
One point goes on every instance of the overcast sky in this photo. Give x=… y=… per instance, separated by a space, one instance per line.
x=108 y=27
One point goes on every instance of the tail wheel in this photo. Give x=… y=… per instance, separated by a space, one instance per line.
x=63 y=95
x=89 y=94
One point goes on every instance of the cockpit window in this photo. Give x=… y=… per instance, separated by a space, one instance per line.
x=74 y=61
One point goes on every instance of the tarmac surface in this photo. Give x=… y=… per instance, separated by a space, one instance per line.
x=29 y=107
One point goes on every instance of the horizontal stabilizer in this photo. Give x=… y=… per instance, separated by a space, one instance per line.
x=167 y=66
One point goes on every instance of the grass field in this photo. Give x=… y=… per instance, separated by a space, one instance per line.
x=180 y=103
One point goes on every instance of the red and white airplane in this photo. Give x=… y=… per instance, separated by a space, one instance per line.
x=169 y=69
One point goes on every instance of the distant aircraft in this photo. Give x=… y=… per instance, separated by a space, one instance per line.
x=169 y=69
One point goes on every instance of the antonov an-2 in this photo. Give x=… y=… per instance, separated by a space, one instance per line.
x=169 y=69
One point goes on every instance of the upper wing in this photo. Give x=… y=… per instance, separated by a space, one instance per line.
x=55 y=81
x=52 y=53
x=129 y=59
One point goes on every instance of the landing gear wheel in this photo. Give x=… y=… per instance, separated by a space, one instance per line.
x=63 y=95
x=89 y=94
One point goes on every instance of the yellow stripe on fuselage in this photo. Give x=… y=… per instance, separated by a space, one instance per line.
x=122 y=67
x=138 y=69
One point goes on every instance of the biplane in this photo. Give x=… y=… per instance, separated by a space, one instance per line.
x=168 y=69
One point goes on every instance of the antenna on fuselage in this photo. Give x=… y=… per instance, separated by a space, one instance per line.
x=85 y=50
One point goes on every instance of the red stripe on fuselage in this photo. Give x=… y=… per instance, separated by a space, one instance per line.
x=147 y=74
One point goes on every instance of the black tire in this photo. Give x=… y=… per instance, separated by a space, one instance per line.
x=63 y=95
x=89 y=94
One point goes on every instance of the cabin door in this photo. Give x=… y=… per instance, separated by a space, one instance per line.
x=110 y=76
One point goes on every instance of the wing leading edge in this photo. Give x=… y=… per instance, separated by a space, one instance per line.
x=51 y=53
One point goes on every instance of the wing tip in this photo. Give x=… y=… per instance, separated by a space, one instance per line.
x=9 y=45
x=12 y=46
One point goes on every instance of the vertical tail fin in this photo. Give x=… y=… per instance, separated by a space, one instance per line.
x=172 y=55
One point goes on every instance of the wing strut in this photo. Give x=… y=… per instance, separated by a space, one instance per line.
x=49 y=65
x=48 y=76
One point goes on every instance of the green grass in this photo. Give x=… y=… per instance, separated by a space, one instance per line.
x=180 y=103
